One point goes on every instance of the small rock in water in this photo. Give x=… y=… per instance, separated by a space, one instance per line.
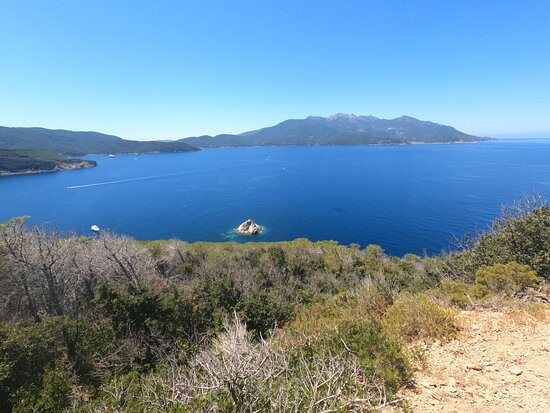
x=249 y=227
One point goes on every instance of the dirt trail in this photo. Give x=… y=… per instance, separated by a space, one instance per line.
x=500 y=363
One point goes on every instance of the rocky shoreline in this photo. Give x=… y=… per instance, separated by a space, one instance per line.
x=61 y=166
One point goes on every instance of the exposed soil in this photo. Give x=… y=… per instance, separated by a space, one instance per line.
x=499 y=363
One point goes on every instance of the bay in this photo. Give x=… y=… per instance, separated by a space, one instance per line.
x=411 y=198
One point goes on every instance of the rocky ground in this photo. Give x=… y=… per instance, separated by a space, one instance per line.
x=500 y=363
x=60 y=166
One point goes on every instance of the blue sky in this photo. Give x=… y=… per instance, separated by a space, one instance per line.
x=172 y=69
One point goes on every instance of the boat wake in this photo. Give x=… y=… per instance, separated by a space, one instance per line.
x=119 y=181
x=190 y=173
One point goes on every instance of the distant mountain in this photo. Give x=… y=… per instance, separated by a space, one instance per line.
x=81 y=143
x=340 y=129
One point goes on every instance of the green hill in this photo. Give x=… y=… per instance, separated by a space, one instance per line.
x=340 y=129
x=33 y=161
x=81 y=143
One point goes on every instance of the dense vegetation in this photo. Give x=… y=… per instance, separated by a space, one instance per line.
x=23 y=160
x=112 y=324
x=81 y=143
x=340 y=129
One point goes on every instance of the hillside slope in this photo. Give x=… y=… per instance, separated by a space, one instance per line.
x=340 y=129
x=18 y=161
x=500 y=363
x=81 y=143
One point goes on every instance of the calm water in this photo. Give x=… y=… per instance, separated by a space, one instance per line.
x=405 y=198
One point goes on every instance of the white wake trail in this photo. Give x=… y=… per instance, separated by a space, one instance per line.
x=142 y=178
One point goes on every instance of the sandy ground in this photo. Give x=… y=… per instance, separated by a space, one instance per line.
x=500 y=363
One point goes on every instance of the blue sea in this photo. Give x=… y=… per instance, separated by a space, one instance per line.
x=411 y=198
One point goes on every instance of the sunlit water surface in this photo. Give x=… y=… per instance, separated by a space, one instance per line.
x=405 y=198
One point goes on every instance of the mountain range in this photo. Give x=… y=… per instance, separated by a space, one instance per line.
x=340 y=129
x=29 y=150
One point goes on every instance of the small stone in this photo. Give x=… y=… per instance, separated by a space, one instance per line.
x=427 y=384
x=473 y=367
x=513 y=380
x=452 y=382
x=516 y=371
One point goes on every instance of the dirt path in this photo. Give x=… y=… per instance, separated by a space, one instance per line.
x=500 y=363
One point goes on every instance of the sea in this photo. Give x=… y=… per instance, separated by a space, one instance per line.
x=407 y=199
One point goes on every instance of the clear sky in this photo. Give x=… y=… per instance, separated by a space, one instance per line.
x=172 y=69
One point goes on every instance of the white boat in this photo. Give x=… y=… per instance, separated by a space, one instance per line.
x=112 y=156
x=95 y=228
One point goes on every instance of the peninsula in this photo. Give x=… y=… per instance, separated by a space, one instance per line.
x=28 y=161
x=39 y=150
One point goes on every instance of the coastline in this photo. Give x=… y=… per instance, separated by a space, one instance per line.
x=366 y=144
x=81 y=164
x=61 y=166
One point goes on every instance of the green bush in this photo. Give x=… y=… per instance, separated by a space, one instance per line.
x=346 y=370
x=380 y=360
x=336 y=306
x=382 y=357
x=457 y=293
x=510 y=279
x=52 y=395
x=367 y=303
x=264 y=311
x=521 y=235
x=415 y=317
x=154 y=317
x=38 y=361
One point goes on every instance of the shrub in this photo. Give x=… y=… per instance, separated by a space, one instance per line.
x=264 y=311
x=510 y=279
x=367 y=303
x=458 y=293
x=521 y=234
x=151 y=304
x=38 y=361
x=381 y=356
x=158 y=321
x=354 y=368
x=52 y=396
x=415 y=317
x=367 y=362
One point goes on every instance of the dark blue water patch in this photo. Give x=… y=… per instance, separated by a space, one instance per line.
x=405 y=198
